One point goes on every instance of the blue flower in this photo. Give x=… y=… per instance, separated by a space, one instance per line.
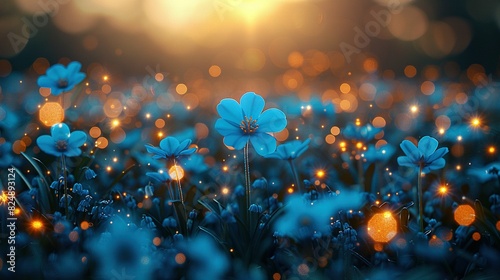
x=360 y=133
x=424 y=155
x=161 y=176
x=62 y=79
x=89 y=174
x=240 y=123
x=62 y=142
x=171 y=148
x=290 y=150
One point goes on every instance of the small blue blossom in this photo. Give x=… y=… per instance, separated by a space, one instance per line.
x=62 y=79
x=169 y=222
x=255 y=208
x=89 y=174
x=62 y=142
x=239 y=190
x=290 y=150
x=424 y=155
x=78 y=189
x=171 y=148
x=62 y=201
x=147 y=222
x=260 y=183
x=84 y=204
x=245 y=121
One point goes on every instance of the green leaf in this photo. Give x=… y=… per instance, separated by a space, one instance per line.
x=180 y=210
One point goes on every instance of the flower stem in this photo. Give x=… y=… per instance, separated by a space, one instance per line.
x=181 y=197
x=295 y=175
x=420 y=200
x=247 y=179
x=63 y=163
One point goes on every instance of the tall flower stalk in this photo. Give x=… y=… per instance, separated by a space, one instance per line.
x=426 y=157
x=62 y=143
x=245 y=122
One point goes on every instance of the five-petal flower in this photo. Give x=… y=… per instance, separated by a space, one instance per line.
x=62 y=79
x=171 y=148
x=424 y=155
x=62 y=142
x=245 y=121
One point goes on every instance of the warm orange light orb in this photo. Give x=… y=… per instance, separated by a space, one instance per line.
x=465 y=215
x=176 y=172
x=36 y=225
x=443 y=190
x=320 y=173
x=51 y=113
x=382 y=227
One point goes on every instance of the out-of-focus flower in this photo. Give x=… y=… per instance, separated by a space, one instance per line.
x=78 y=189
x=382 y=153
x=245 y=121
x=255 y=208
x=62 y=201
x=169 y=222
x=171 y=148
x=424 y=155
x=260 y=183
x=5 y=154
x=290 y=150
x=161 y=176
x=360 y=133
x=62 y=142
x=84 y=204
x=62 y=79
x=239 y=190
x=89 y=174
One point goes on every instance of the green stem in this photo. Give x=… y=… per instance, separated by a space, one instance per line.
x=295 y=175
x=420 y=200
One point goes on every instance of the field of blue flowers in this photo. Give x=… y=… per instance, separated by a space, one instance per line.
x=138 y=185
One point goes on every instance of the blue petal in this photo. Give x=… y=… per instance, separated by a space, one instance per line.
x=427 y=145
x=224 y=127
x=303 y=147
x=169 y=145
x=159 y=153
x=56 y=72
x=439 y=153
x=44 y=81
x=230 y=110
x=60 y=131
x=48 y=145
x=182 y=146
x=236 y=140
x=252 y=105
x=263 y=143
x=73 y=68
x=188 y=152
x=411 y=150
x=406 y=161
x=72 y=152
x=437 y=164
x=272 y=120
x=77 y=138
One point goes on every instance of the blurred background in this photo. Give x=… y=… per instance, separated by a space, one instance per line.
x=250 y=38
